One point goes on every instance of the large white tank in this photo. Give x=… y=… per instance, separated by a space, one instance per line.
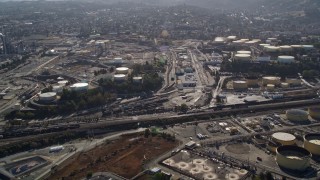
x=242 y=57
x=240 y=85
x=264 y=45
x=62 y=83
x=284 y=138
x=219 y=40
x=122 y=70
x=270 y=80
x=314 y=112
x=285 y=59
x=119 y=77
x=48 y=96
x=293 y=81
x=296 y=47
x=285 y=48
x=231 y=38
x=137 y=79
x=307 y=47
x=293 y=158
x=270 y=87
x=271 y=49
x=312 y=143
x=243 y=52
x=284 y=85
x=297 y=115
x=79 y=87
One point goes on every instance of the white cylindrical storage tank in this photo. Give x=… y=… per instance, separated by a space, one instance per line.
x=264 y=45
x=271 y=49
x=242 y=57
x=243 y=52
x=314 y=112
x=307 y=47
x=57 y=89
x=62 y=83
x=244 y=40
x=240 y=85
x=270 y=80
x=297 y=115
x=293 y=158
x=231 y=38
x=219 y=40
x=286 y=59
x=137 y=80
x=284 y=138
x=312 y=143
x=48 y=96
x=270 y=87
x=119 y=77
x=79 y=87
x=285 y=48
x=122 y=70
x=284 y=85
x=296 y=47
x=293 y=81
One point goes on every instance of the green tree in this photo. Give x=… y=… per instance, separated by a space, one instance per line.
x=147 y=133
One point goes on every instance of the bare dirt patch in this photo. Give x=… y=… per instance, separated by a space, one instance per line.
x=124 y=156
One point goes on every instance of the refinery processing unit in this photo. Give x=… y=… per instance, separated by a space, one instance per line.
x=170 y=90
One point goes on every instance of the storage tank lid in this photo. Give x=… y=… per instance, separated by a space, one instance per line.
x=283 y=136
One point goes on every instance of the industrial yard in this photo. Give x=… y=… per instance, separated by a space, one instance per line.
x=160 y=90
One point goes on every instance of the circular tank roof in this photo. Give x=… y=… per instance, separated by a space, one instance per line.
x=63 y=82
x=243 y=52
x=313 y=138
x=297 y=112
x=242 y=55
x=293 y=152
x=48 y=94
x=285 y=57
x=271 y=78
x=283 y=136
x=122 y=68
x=80 y=85
x=240 y=82
x=119 y=75
x=137 y=78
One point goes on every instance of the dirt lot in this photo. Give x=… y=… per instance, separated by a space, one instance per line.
x=124 y=156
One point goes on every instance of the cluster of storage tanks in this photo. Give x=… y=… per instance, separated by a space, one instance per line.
x=121 y=74
x=270 y=82
x=289 y=155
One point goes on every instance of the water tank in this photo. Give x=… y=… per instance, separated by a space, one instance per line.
x=307 y=47
x=284 y=85
x=79 y=87
x=270 y=87
x=296 y=47
x=314 y=112
x=271 y=80
x=48 y=96
x=285 y=59
x=231 y=38
x=122 y=70
x=285 y=48
x=284 y=138
x=293 y=158
x=264 y=45
x=242 y=57
x=297 y=115
x=271 y=49
x=243 y=52
x=312 y=143
x=62 y=83
x=137 y=80
x=240 y=85
x=293 y=81
x=119 y=77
